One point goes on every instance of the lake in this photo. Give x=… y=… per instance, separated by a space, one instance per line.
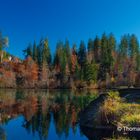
x=42 y=114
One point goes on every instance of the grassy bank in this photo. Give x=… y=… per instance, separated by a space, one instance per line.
x=117 y=112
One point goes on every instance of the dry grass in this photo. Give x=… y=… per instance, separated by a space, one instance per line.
x=119 y=138
x=116 y=111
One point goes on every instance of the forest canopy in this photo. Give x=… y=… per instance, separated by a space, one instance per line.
x=102 y=62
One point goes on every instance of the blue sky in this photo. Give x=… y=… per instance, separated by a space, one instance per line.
x=24 y=21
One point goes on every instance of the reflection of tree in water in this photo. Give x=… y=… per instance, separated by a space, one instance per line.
x=40 y=120
x=39 y=108
x=2 y=134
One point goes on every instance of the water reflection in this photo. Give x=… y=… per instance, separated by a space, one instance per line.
x=40 y=109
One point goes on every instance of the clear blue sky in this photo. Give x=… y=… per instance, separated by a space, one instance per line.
x=24 y=21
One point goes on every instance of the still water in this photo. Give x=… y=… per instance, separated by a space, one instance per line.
x=42 y=115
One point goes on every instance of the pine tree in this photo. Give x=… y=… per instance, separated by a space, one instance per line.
x=105 y=62
x=90 y=50
x=29 y=51
x=124 y=47
x=68 y=54
x=134 y=52
x=111 y=50
x=90 y=45
x=82 y=55
x=46 y=54
x=91 y=72
x=96 y=49
x=124 y=54
x=39 y=53
x=35 y=52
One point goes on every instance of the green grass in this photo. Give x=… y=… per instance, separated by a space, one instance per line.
x=117 y=112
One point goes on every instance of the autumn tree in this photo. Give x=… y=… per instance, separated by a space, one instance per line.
x=31 y=72
x=44 y=75
x=74 y=61
x=102 y=60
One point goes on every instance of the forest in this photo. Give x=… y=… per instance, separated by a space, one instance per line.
x=102 y=62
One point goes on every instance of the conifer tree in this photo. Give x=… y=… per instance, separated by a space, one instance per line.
x=90 y=55
x=35 y=52
x=29 y=51
x=82 y=54
x=105 y=64
x=134 y=52
x=46 y=54
x=91 y=72
x=96 y=49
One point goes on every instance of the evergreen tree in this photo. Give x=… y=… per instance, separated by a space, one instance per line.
x=46 y=54
x=82 y=59
x=124 y=46
x=63 y=61
x=111 y=50
x=107 y=59
x=96 y=49
x=60 y=59
x=124 y=54
x=58 y=53
x=29 y=51
x=105 y=62
x=134 y=52
x=90 y=45
x=68 y=54
x=91 y=72
x=39 y=53
x=82 y=55
x=90 y=50
x=35 y=52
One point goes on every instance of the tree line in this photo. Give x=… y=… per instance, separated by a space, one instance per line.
x=102 y=62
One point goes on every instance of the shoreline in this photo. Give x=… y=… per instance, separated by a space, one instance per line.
x=76 y=89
